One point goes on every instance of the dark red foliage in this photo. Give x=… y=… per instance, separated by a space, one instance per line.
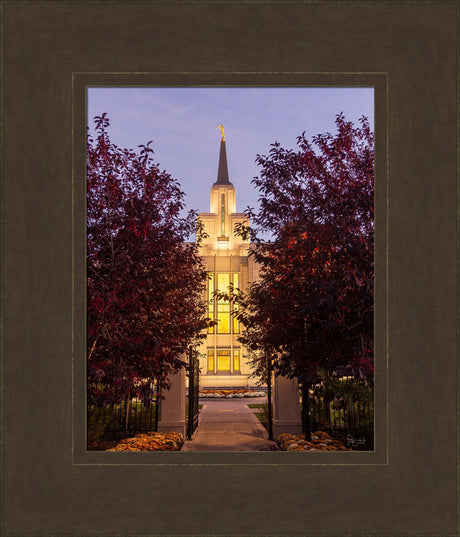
x=313 y=305
x=145 y=281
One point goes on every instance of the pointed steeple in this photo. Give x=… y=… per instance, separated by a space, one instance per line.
x=222 y=172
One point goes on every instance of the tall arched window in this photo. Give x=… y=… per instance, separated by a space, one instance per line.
x=220 y=310
x=223 y=215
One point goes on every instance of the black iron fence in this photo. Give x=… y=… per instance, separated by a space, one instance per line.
x=116 y=421
x=193 y=372
x=108 y=422
x=345 y=410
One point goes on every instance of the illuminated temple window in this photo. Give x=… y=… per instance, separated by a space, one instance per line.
x=220 y=310
x=211 y=301
x=236 y=284
x=236 y=360
x=223 y=360
x=223 y=281
x=223 y=215
x=211 y=360
x=223 y=306
x=223 y=320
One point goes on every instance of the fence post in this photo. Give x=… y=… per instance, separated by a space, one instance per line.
x=172 y=407
x=193 y=391
x=286 y=407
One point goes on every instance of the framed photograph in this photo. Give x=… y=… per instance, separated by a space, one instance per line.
x=329 y=279
x=59 y=58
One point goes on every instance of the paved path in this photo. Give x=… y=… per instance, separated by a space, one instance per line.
x=229 y=425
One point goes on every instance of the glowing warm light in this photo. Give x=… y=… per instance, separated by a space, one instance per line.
x=210 y=359
x=223 y=360
x=236 y=360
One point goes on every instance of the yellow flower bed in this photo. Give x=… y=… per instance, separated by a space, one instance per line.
x=151 y=442
x=320 y=441
x=231 y=393
x=222 y=392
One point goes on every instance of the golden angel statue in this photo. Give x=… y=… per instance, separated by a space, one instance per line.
x=221 y=127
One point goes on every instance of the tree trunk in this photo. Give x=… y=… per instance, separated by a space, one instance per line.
x=127 y=401
x=269 y=397
x=305 y=411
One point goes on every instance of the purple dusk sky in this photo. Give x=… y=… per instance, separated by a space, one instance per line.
x=182 y=122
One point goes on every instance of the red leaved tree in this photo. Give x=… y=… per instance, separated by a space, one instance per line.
x=313 y=305
x=145 y=282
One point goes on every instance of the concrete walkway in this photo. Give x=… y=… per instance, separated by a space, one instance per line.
x=229 y=425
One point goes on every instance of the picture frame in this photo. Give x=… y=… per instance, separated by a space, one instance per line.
x=53 y=50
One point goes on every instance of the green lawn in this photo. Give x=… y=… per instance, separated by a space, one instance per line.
x=262 y=415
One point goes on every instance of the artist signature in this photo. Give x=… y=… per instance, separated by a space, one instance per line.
x=354 y=442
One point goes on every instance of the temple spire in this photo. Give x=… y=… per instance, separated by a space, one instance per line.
x=222 y=172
